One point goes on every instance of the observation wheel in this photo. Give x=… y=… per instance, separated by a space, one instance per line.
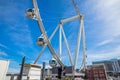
x=44 y=41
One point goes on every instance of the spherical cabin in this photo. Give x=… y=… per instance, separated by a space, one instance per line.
x=41 y=41
x=30 y=13
x=53 y=63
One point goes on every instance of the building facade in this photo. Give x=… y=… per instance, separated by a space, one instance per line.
x=32 y=71
x=112 y=65
x=96 y=72
x=3 y=68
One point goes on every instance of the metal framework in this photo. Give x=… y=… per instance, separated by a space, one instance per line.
x=83 y=67
x=41 y=26
x=81 y=35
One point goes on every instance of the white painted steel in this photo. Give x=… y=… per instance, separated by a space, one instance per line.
x=60 y=42
x=41 y=26
x=46 y=45
x=84 y=45
x=78 y=44
x=67 y=46
x=83 y=35
x=70 y=19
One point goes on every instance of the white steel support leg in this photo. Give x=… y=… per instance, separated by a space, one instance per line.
x=67 y=46
x=46 y=45
x=78 y=44
x=52 y=35
x=60 y=42
x=84 y=45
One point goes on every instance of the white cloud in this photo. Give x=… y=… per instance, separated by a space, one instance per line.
x=108 y=12
x=4 y=46
x=94 y=55
x=16 y=28
x=104 y=20
x=105 y=42
x=14 y=70
x=106 y=31
x=3 y=53
x=23 y=54
x=20 y=35
x=14 y=67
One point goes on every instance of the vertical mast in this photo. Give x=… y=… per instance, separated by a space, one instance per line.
x=84 y=46
x=60 y=42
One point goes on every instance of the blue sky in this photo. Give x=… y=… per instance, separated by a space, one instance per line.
x=18 y=34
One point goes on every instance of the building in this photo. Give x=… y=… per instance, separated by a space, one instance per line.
x=96 y=72
x=112 y=65
x=48 y=73
x=32 y=71
x=67 y=70
x=67 y=73
x=3 y=68
x=119 y=62
x=15 y=76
